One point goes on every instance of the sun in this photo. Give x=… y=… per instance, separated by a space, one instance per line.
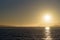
x=47 y=28
x=47 y=18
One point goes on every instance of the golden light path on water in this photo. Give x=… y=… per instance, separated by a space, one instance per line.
x=47 y=33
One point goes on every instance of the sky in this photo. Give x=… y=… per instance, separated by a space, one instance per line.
x=28 y=12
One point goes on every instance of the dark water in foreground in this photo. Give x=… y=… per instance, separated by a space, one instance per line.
x=37 y=33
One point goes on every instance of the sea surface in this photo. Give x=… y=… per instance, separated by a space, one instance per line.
x=29 y=33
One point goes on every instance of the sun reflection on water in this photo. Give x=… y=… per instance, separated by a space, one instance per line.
x=47 y=34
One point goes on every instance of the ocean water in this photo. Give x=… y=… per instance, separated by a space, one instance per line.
x=30 y=33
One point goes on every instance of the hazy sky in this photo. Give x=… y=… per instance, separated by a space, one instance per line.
x=28 y=12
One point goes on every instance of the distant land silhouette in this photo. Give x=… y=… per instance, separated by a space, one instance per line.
x=28 y=26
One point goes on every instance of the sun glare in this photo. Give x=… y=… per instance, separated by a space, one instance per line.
x=47 y=28
x=47 y=18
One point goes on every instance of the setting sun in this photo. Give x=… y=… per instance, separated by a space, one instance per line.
x=47 y=28
x=47 y=18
